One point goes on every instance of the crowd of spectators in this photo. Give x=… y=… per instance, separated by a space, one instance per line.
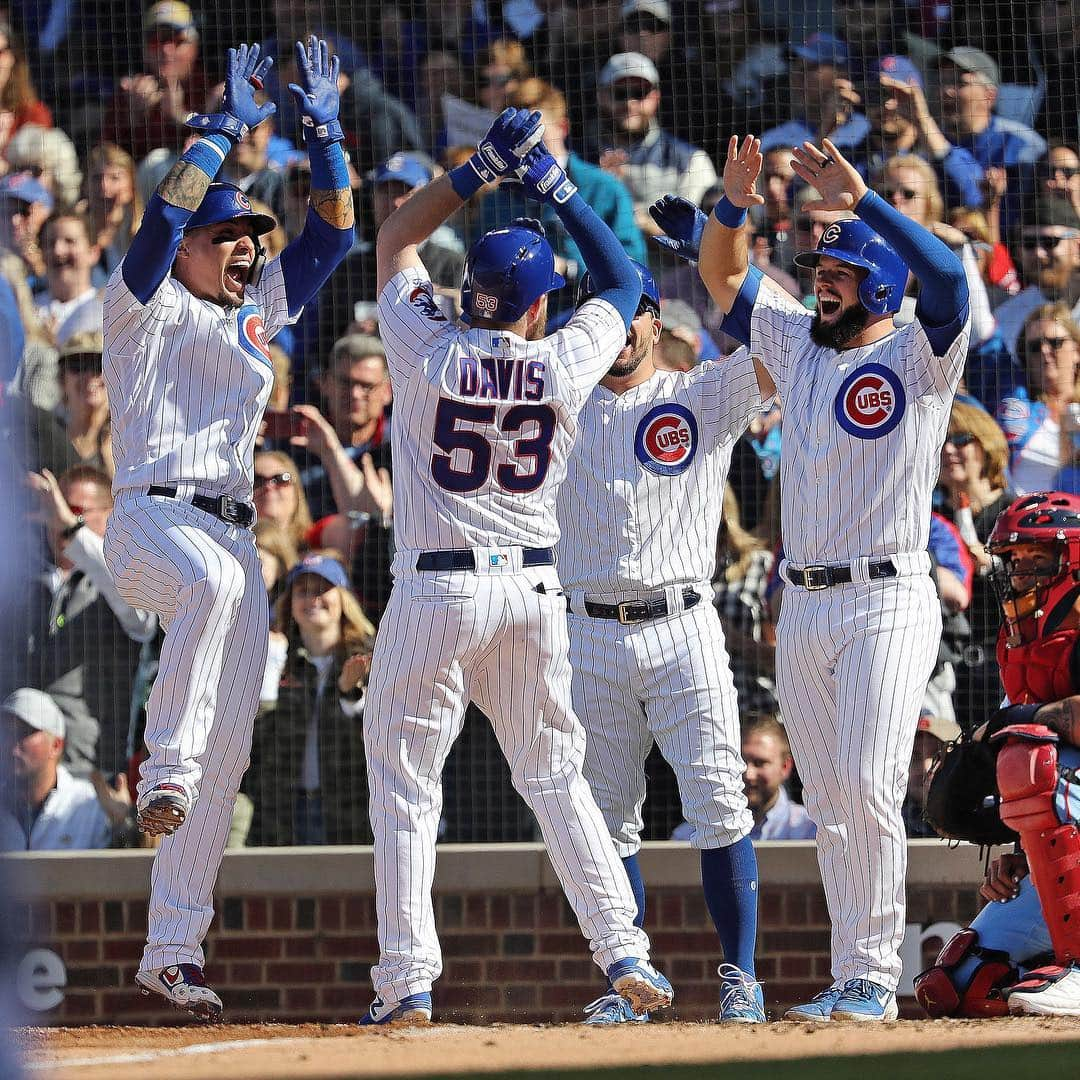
x=963 y=115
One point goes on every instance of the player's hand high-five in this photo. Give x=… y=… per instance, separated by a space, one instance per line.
x=682 y=222
x=826 y=169
x=511 y=136
x=318 y=97
x=741 y=170
x=245 y=73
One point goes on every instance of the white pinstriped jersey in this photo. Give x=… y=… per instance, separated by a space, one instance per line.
x=641 y=505
x=484 y=421
x=863 y=431
x=188 y=381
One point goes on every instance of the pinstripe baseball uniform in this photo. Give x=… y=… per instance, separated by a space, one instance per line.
x=639 y=513
x=863 y=431
x=484 y=422
x=188 y=381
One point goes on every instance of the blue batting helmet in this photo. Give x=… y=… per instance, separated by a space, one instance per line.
x=855 y=243
x=650 y=294
x=506 y=270
x=226 y=202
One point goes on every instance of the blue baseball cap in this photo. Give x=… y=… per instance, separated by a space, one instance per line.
x=323 y=566
x=899 y=68
x=822 y=49
x=24 y=187
x=408 y=169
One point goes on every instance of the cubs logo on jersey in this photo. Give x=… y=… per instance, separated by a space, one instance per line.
x=666 y=439
x=424 y=302
x=251 y=332
x=870 y=402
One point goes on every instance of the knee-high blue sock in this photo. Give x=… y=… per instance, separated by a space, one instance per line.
x=729 y=876
x=637 y=886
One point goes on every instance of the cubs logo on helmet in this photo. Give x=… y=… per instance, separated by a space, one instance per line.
x=870 y=402
x=252 y=333
x=666 y=439
x=243 y=201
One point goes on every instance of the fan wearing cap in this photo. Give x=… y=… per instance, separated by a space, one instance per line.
x=866 y=409
x=188 y=317
x=43 y=807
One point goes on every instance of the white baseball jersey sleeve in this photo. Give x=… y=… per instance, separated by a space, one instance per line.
x=188 y=381
x=483 y=420
x=863 y=431
x=641 y=505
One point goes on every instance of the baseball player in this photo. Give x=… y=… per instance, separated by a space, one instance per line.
x=866 y=408
x=188 y=315
x=1022 y=952
x=484 y=423
x=639 y=514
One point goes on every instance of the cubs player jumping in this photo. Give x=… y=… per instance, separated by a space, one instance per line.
x=866 y=408
x=639 y=513
x=1022 y=952
x=484 y=423
x=188 y=315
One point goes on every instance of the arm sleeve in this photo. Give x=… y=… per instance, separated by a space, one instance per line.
x=153 y=249
x=729 y=397
x=943 y=295
x=409 y=320
x=311 y=258
x=87 y=551
x=612 y=272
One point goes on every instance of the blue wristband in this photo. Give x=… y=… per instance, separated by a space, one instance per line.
x=329 y=171
x=728 y=214
x=208 y=154
x=466 y=181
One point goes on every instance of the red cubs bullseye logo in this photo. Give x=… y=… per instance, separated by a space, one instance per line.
x=252 y=333
x=666 y=439
x=243 y=201
x=870 y=403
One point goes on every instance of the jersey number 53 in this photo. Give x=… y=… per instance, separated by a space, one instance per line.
x=533 y=450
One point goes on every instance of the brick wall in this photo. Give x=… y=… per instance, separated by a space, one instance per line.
x=509 y=953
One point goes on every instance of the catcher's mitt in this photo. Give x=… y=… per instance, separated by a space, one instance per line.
x=962 y=801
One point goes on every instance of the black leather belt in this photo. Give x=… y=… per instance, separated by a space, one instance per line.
x=636 y=611
x=466 y=559
x=223 y=507
x=814 y=578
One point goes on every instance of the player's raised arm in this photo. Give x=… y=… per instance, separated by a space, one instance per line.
x=328 y=231
x=942 y=307
x=510 y=137
x=180 y=194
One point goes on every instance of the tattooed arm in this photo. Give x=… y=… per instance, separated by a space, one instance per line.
x=1062 y=717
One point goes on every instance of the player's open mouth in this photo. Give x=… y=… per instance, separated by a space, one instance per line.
x=828 y=305
x=237 y=273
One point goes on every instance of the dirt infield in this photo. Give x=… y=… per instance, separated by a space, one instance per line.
x=293 y=1052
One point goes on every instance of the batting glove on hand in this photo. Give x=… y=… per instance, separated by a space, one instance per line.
x=544 y=178
x=683 y=224
x=318 y=98
x=513 y=134
x=244 y=74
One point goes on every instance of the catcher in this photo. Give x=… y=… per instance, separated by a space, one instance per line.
x=1021 y=954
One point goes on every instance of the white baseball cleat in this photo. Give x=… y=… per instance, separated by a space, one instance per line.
x=162 y=810
x=1047 y=991
x=184 y=987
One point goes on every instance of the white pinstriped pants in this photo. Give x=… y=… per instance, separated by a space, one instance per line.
x=852 y=664
x=666 y=680
x=446 y=638
x=202 y=577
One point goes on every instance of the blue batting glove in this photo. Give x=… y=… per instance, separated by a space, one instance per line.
x=318 y=97
x=683 y=224
x=512 y=135
x=543 y=178
x=244 y=74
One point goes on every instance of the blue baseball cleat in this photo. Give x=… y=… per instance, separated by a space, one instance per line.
x=818 y=1010
x=742 y=1000
x=612 y=1009
x=414 y=1009
x=640 y=984
x=862 y=1000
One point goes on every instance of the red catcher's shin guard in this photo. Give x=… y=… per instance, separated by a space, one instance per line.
x=1027 y=775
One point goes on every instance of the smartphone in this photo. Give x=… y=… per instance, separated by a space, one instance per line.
x=282 y=424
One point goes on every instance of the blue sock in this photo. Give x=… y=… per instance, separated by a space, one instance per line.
x=729 y=877
x=637 y=886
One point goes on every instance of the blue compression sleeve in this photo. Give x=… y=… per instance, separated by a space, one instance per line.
x=329 y=171
x=637 y=887
x=943 y=294
x=311 y=258
x=610 y=267
x=729 y=878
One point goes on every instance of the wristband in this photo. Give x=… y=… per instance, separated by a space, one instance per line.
x=217 y=123
x=469 y=178
x=321 y=134
x=728 y=214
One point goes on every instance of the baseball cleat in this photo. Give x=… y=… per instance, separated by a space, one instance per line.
x=414 y=1009
x=612 y=1009
x=818 y=1010
x=742 y=999
x=640 y=984
x=1047 y=991
x=162 y=810
x=184 y=987
x=864 y=1001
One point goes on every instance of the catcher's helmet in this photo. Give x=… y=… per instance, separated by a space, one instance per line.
x=506 y=270
x=650 y=294
x=853 y=242
x=224 y=202
x=1043 y=593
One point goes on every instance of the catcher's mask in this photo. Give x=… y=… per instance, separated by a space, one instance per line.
x=1036 y=545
